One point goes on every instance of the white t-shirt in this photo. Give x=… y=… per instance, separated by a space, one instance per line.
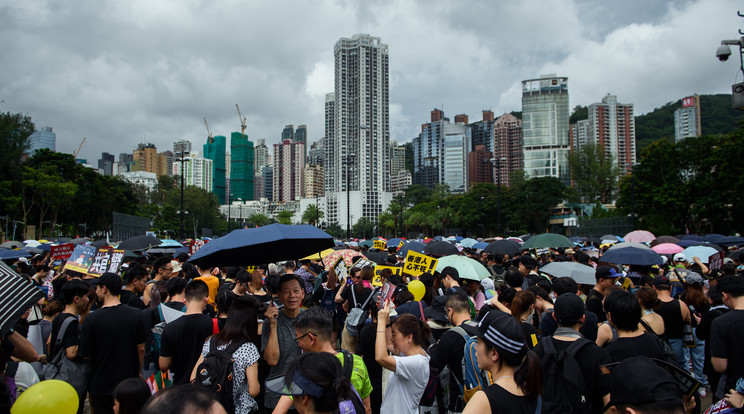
x=406 y=385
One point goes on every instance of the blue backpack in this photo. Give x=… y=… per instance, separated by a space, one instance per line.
x=328 y=300
x=474 y=378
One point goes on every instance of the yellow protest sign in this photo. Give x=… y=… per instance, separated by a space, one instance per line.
x=377 y=279
x=402 y=242
x=379 y=244
x=417 y=264
x=250 y=269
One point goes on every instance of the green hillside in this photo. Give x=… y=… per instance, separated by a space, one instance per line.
x=717 y=117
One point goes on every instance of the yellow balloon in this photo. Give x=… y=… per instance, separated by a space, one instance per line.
x=50 y=396
x=417 y=288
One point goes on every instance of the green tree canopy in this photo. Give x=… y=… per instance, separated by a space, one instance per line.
x=312 y=214
x=594 y=174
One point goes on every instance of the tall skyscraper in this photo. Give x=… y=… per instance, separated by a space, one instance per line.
x=262 y=155
x=288 y=133
x=481 y=132
x=440 y=154
x=43 y=138
x=183 y=145
x=300 y=135
x=545 y=125
x=241 y=166
x=316 y=153
x=480 y=169
x=267 y=172
x=106 y=163
x=397 y=158
x=507 y=147
x=313 y=181
x=146 y=158
x=289 y=171
x=197 y=171
x=329 y=152
x=125 y=162
x=687 y=119
x=612 y=125
x=215 y=149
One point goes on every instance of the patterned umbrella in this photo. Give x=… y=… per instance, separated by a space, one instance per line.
x=16 y=297
x=347 y=254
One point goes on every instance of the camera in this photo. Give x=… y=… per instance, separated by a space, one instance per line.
x=723 y=52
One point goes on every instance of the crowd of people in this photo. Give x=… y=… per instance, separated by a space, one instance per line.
x=163 y=335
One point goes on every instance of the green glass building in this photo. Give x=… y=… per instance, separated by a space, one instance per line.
x=241 y=167
x=214 y=150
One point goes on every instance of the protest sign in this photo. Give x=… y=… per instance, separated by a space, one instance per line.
x=386 y=294
x=715 y=261
x=340 y=268
x=363 y=262
x=62 y=251
x=377 y=280
x=417 y=264
x=379 y=244
x=250 y=269
x=106 y=260
x=196 y=245
x=81 y=258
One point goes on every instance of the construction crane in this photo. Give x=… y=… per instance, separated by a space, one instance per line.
x=242 y=121
x=210 y=139
x=75 y=154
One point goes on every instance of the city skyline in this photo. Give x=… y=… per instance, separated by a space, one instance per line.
x=118 y=88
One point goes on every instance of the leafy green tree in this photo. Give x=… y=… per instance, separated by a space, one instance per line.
x=258 y=219
x=202 y=207
x=579 y=113
x=285 y=217
x=312 y=214
x=14 y=132
x=335 y=230
x=363 y=228
x=533 y=200
x=594 y=174
x=387 y=222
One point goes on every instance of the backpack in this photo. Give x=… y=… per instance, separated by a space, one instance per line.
x=666 y=347
x=564 y=388
x=355 y=405
x=157 y=332
x=216 y=372
x=357 y=316
x=328 y=300
x=10 y=372
x=474 y=378
x=498 y=278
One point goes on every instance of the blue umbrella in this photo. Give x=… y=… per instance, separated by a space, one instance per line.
x=468 y=242
x=13 y=254
x=701 y=251
x=438 y=238
x=688 y=243
x=266 y=244
x=394 y=242
x=730 y=241
x=417 y=247
x=458 y=238
x=711 y=238
x=170 y=243
x=692 y=237
x=632 y=256
x=480 y=245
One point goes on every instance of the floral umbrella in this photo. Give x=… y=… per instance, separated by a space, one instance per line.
x=347 y=254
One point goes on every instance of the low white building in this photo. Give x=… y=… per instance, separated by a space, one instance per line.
x=147 y=179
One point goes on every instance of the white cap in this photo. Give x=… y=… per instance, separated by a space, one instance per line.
x=680 y=257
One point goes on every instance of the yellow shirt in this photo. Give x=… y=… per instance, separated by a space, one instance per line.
x=213 y=283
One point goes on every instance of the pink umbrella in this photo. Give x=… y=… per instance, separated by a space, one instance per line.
x=640 y=236
x=667 y=248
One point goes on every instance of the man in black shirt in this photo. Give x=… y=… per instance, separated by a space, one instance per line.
x=624 y=312
x=727 y=334
x=113 y=338
x=450 y=348
x=451 y=281
x=183 y=339
x=606 y=277
x=548 y=325
x=136 y=279
x=569 y=313
x=151 y=316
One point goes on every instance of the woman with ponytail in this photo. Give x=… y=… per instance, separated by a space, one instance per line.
x=516 y=371
x=317 y=384
x=409 y=363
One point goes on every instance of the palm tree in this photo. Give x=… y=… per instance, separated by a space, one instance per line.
x=312 y=215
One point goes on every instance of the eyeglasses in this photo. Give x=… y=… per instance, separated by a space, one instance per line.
x=302 y=336
x=170 y=269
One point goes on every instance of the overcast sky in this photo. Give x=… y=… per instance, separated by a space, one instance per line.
x=125 y=72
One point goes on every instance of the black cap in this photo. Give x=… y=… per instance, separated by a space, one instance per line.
x=661 y=281
x=112 y=281
x=606 y=272
x=182 y=257
x=568 y=309
x=503 y=332
x=639 y=380
x=733 y=285
x=451 y=272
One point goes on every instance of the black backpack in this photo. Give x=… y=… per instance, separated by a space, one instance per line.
x=564 y=388
x=216 y=372
x=666 y=348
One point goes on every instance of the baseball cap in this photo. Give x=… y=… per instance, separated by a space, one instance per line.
x=650 y=383
x=679 y=257
x=569 y=308
x=660 y=281
x=503 y=332
x=300 y=385
x=606 y=272
x=694 y=279
x=111 y=281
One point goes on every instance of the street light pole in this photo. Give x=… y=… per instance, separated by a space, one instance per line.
x=182 y=158
x=229 y=210
x=496 y=162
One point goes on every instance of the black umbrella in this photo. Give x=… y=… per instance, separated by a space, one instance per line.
x=79 y=240
x=664 y=239
x=378 y=257
x=267 y=244
x=139 y=243
x=503 y=247
x=417 y=247
x=440 y=248
x=100 y=243
x=736 y=254
x=16 y=297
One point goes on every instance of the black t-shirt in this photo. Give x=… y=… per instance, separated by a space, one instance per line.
x=502 y=401
x=643 y=345
x=531 y=334
x=182 y=341
x=590 y=358
x=703 y=332
x=130 y=298
x=110 y=337
x=360 y=298
x=151 y=317
x=594 y=304
x=449 y=351
x=366 y=348
x=726 y=339
x=72 y=334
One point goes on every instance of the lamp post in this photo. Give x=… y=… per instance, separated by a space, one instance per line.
x=181 y=156
x=317 y=212
x=496 y=162
x=229 y=211
x=349 y=159
x=240 y=212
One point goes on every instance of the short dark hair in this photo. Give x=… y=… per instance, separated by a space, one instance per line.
x=402 y=297
x=658 y=407
x=132 y=394
x=175 y=286
x=316 y=320
x=733 y=285
x=624 y=309
x=458 y=303
x=288 y=277
x=243 y=277
x=160 y=262
x=563 y=285
x=513 y=277
x=196 y=290
x=181 y=399
x=73 y=288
